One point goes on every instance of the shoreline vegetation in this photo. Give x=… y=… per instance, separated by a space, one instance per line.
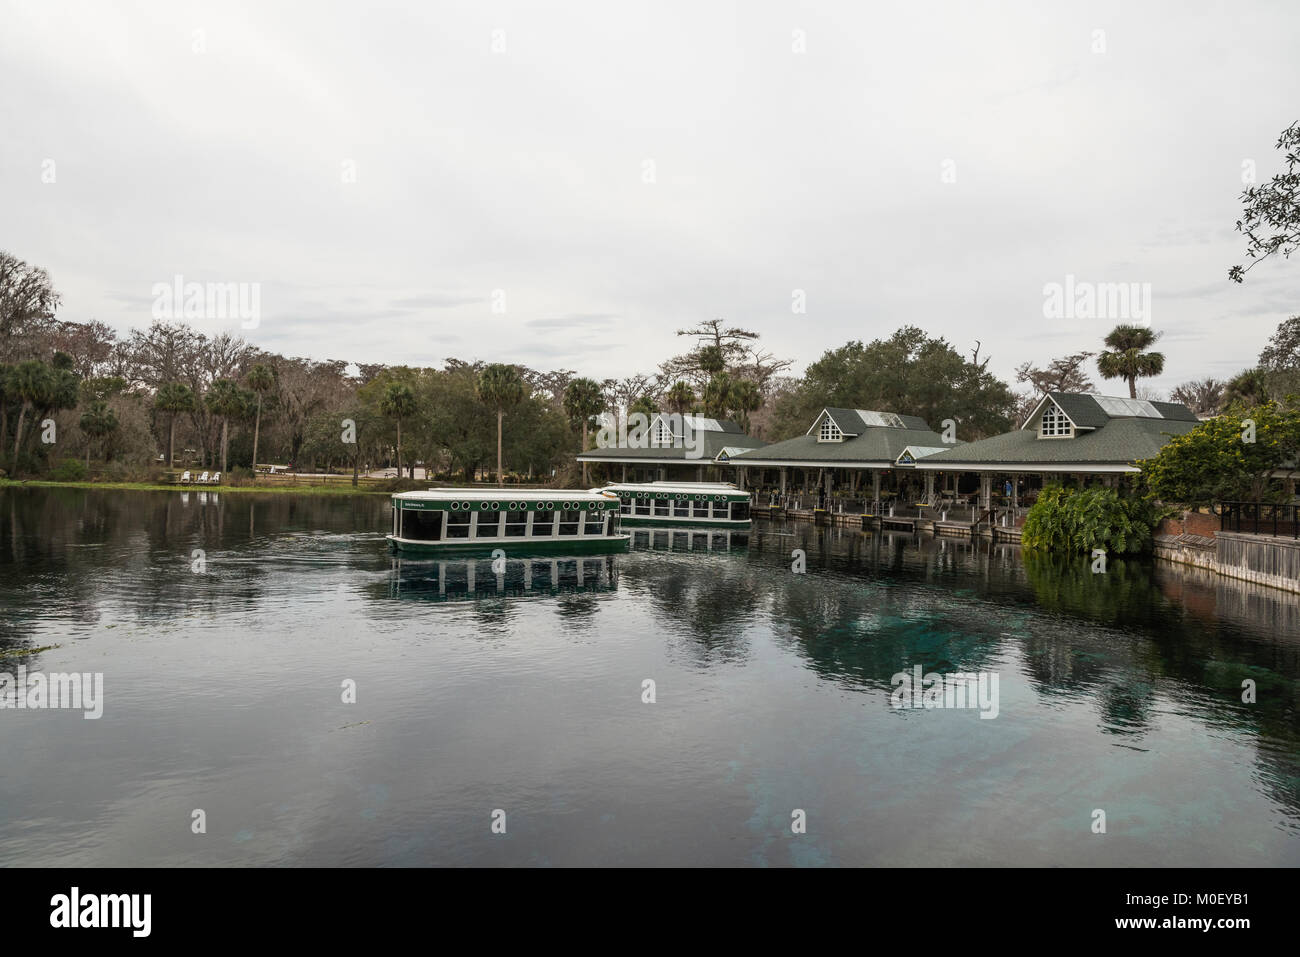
x=306 y=487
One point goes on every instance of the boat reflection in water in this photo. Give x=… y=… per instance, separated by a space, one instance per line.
x=688 y=539
x=468 y=578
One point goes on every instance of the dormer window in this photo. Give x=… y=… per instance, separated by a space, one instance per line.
x=1054 y=423
x=830 y=432
x=663 y=434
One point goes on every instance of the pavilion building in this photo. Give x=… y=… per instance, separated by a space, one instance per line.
x=1069 y=436
x=849 y=450
x=684 y=448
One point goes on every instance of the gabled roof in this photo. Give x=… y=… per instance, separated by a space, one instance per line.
x=699 y=422
x=1118 y=444
x=857 y=421
x=917 y=452
x=876 y=447
x=710 y=436
x=1092 y=411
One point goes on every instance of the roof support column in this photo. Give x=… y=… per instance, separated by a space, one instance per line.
x=986 y=491
x=624 y=479
x=1015 y=491
x=699 y=473
x=782 y=484
x=929 y=488
x=875 y=491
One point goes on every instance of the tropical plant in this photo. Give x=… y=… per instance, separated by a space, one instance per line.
x=1248 y=388
x=97 y=422
x=173 y=398
x=582 y=400
x=226 y=401
x=500 y=387
x=680 y=397
x=745 y=398
x=398 y=403
x=1082 y=520
x=261 y=380
x=30 y=383
x=1126 y=359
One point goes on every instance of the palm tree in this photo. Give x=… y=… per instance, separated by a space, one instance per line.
x=173 y=398
x=583 y=399
x=745 y=398
x=1125 y=358
x=681 y=397
x=227 y=400
x=261 y=380
x=1248 y=388
x=398 y=403
x=31 y=383
x=97 y=421
x=499 y=386
x=717 y=396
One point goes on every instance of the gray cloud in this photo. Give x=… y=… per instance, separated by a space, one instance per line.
x=615 y=174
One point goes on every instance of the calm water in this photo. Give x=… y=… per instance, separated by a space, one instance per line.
x=223 y=692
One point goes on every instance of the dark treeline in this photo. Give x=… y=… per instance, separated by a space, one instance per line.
x=77 y=395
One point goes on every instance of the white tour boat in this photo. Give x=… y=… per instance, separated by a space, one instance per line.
x=682 y=503
x=518 y=521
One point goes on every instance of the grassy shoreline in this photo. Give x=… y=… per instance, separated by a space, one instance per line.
x=277 y=489
x=153 y=487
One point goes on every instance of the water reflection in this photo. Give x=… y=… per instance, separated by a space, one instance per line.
x=758 y=666
x=456 y=579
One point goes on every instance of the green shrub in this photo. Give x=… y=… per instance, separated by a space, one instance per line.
x=1080 y=520
x=69 y=470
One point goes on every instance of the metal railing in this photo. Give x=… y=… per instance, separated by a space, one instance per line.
x=1260 y=518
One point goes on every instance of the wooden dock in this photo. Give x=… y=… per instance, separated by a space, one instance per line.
x=895 y=523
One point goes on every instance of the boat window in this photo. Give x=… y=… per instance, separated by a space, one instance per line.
x=625 y=506
x=661 y=506
x=422 y=526
x=682 y=507
x=591 y=525
x=569 y=522
x=543 y=520
x=740 y=511
x=643 y=506
x=614 y=523
x=516 y=524
x=489 y=525
x=458 y=524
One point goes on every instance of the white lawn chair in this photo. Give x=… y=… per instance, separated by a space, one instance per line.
x=203 y=479
x=185 y=478
x=216 y=478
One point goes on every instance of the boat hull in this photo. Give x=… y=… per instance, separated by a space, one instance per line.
x=514 y=548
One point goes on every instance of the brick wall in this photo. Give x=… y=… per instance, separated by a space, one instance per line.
x=1189 y=523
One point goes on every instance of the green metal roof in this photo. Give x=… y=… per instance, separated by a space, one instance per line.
x=875 y=444
x=1115 y=442
x=1092 y=411
x=710 y=444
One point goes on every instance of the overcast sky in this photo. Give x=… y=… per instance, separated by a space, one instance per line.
x=935 y=164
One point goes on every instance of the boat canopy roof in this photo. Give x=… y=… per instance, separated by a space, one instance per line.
x=481 y=495
x=676 y=489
